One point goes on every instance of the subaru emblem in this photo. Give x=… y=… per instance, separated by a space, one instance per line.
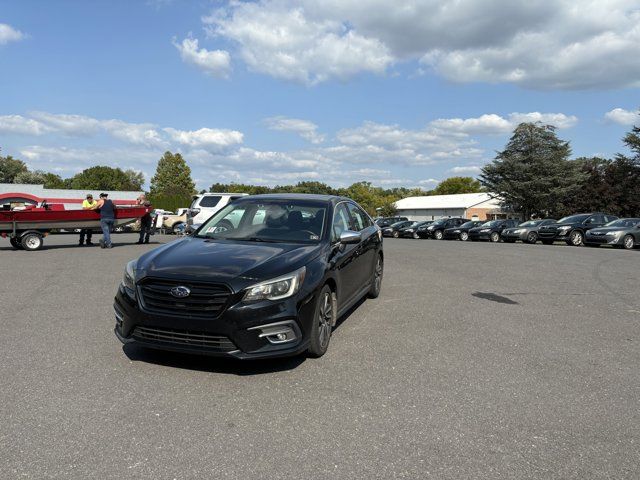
x=180 y=292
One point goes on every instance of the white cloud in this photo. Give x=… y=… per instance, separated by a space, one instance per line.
x=21 y=125
x=206 y=137
x=216 y=63
x=558 y=44
x=492 y=124
x=306 y=129
x=278 y=39
x=466 y=170
x=9 y=34
x=623 y=117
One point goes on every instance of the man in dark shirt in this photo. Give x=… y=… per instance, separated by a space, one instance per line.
x=145 y=222
x=107 y=211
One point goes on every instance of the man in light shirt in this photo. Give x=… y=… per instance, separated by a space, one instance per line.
x=87 y=204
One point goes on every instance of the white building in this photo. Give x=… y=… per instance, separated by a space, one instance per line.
x=24 y=193
x=474 y=206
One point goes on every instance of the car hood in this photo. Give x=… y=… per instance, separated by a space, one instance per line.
x=602 y=230
x=235 y=263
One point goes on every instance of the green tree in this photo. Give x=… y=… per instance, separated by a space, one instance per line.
x=173 y=176
x=102 y=178
x=455 y=185
x=533 y=173
x=51 y=180
x=37 y=177
x=9 y=168
x=136 y=179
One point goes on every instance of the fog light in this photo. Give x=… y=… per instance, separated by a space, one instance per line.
x=278 y=333
x=281 y=336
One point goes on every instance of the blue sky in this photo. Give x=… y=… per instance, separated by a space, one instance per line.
x=278 y=91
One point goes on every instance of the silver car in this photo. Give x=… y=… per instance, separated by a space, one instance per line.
x=624 y=232
x=527 y=232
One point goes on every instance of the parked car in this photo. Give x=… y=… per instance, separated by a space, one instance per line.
x=572 y=229
x=437 y=228
x=624 y=232
x=388 y=221
x=527 y=231
x=461 y=232
x=491 y=230
x=175 y=222
x=393 y=230
x=412 y=230
x=207 y=204
x=274 y=285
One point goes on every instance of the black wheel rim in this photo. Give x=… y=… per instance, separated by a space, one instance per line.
x=325 y=320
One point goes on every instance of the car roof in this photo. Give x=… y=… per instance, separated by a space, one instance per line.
x=298 y=196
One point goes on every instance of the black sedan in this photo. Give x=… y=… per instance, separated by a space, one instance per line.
x=437 y=228
x=491 y=230
x=461 y=232
x=272 y=285
x=527 y=232
x=412 y=230
x=394 y=229
x=619 y=233
x=572 y=229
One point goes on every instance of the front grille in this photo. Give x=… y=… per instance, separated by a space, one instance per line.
x=204 y=301
x=183 y=338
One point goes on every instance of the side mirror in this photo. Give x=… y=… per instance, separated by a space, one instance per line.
x=349 y=237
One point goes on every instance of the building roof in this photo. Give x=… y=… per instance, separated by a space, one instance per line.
x=433 y=202
x=48 y=193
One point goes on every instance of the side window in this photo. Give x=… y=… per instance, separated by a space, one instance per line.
x=359 y=219
x=340 y=222
x=596 y=219
x=209 y=201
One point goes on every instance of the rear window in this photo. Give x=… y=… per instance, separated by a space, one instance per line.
x=210 y=201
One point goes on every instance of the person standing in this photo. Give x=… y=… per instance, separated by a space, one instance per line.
x=87 y=204
x=145 y=222
x=107 y=219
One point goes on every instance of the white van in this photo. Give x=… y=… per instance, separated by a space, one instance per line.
x=207 y=204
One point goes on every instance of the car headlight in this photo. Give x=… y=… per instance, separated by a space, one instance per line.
x=519 y=230
x=564 y=228
x=277 y=288
x=409 y=230
x=129 y=278
x=485 y=230
x=613 y=234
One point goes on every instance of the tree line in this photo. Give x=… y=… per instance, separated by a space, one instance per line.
x=533 y=175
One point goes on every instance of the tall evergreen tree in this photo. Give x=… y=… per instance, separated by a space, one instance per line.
x=173 y=176
x=533 y=174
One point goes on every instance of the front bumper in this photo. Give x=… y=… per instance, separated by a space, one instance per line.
x=514 y=236
x=243 y=331
x=480 y=235
x=603 y=239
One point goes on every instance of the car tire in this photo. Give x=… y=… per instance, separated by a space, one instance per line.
x=464 y=236
x=396 y=234
x=324 y=318
x=176 y=227
x=15 y=243
x=576 y=238
x=532 y=237
x=628 y=242
x=378 y=273
x=32 y=241
x=438 y=235
x=494 y=237
x=416 y=236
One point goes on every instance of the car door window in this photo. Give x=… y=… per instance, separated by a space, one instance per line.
x=340 y=222
x=357 y=217
x=210 y=201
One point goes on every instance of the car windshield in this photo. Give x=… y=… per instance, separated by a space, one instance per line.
x=442 y=221
x=267 y=220
x=573 y=219
x=492 y=223
x=624 y=222
x=468 y=224
x=531 y=223
x=398 y=224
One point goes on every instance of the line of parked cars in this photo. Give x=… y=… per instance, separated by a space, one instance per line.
x=590 y=229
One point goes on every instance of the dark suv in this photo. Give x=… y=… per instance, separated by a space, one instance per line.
x=274 y=284
x=491 y=230
x=572 y=229
x=386 y=221
x=437 y=228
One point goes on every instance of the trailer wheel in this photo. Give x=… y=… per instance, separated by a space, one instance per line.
x=32 y=241
x=15 y=243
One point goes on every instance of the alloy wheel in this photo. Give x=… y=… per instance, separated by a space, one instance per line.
x=576 y=238
x=464 y=236
x=495 y=237
x=438 y=235
x=532 y=237
x=325 y=319
x=415 y=235
x=628 y=242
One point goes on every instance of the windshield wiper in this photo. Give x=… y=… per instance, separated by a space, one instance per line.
x=258 y=239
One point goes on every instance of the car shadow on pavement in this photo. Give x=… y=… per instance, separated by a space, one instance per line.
x=202 y=363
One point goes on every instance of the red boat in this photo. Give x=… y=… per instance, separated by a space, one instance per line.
x=27 y=228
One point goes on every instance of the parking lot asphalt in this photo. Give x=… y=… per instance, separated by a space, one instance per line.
x=477 y=361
